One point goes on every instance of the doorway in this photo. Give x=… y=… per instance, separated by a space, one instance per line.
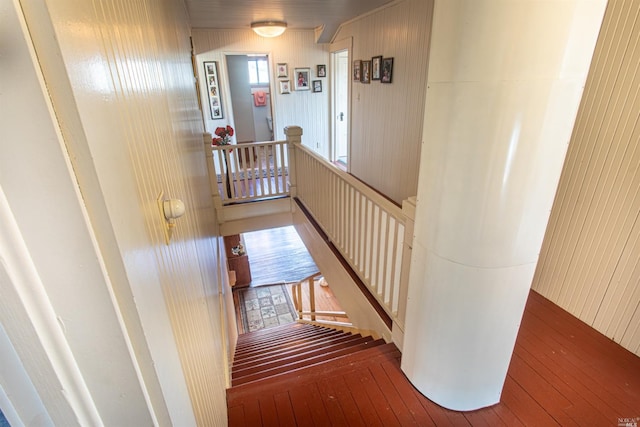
x=340 y=103
x=250 y=93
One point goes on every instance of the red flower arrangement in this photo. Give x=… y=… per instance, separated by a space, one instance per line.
x=224 y=136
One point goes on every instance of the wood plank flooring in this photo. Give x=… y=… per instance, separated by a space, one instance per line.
x=563 y=373
x=277 y=255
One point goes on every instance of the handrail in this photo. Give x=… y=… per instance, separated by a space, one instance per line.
x=372 y=233
x=353 y=181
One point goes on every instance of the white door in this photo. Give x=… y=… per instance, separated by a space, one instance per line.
x=340 y=88
x=341 y=100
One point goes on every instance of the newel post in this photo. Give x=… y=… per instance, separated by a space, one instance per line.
x=213 y=180
x=294 y=136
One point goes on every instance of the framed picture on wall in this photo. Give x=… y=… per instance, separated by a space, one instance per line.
x=301 y=78
x=387 y=70
x=366 y=72
x=317 y=85
x=376 y=66
x=213 y=89
x=357 y=65
x=285 y=86
x=321 y=71
x=282 y=70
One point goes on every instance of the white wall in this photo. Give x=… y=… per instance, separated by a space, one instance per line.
x=119 y=76
x=386 y=119
x=589 y=260
x=296 y=48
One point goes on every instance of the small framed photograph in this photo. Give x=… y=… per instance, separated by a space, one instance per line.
x=322 y=70
x=282 y=70
x=302 y=78
x=376 y=66
x=317 y=85
x=357 y=66
x=387 y=70
x=366 y=72
x=285 y=86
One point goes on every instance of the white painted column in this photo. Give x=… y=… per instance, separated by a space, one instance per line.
x=504 y=85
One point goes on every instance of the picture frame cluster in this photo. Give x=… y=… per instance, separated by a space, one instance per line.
x=301 y=78
x=213 y=89
x=378 y=68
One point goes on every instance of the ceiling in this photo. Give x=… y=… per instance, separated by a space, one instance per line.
x=299 y=14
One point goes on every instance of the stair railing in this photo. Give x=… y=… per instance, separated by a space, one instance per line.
x=298 y=302
x=372 y=233
x=247 y=172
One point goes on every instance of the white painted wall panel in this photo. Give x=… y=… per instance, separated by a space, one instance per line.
x=125 y=98
x=589 y=263
x=297 y=49
x=386 y=119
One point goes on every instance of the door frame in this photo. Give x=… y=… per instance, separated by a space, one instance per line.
x=338 y=46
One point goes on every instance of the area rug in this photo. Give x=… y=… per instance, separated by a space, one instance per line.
x=265 y=307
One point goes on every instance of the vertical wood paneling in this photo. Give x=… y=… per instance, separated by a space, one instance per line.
x=589 y=262
x=130 y=68
x=296 y=48
x=386 y=119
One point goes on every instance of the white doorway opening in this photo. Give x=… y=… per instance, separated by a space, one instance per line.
x=340 y=104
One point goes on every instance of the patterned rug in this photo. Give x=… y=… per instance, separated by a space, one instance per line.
x=265 y=307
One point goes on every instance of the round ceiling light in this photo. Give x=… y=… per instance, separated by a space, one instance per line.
x=269 y=28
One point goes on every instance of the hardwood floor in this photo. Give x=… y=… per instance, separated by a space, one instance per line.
x=276 y=256
x=563 y=373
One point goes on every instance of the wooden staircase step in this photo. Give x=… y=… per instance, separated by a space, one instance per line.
x=282 y=353
x=304 y=354
x=283 y=347
x=306 y=362
x=285 y=343
x=250 y=338
x=339 y=366
x=284 y=338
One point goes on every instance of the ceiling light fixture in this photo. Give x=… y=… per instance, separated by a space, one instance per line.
x=269 y=28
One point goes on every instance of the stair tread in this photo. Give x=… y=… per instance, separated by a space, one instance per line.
x=302 y=354
x=306 y=362
x=273 y=355
x=295 y=340
x=284 y=338
x=335 y=367
x=269 y=333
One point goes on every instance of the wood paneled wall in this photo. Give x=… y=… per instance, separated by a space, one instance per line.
x=590 y=259
x=386 y=119
x=133 y=129
x=297 y=49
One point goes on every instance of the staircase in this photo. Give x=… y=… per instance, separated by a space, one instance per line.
x=303 y=374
